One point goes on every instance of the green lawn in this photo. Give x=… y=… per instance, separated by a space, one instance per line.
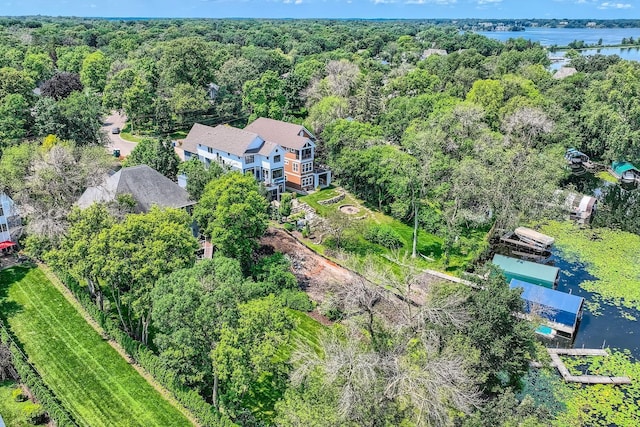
x=93 y=381
x=428 y=245
x=12 y=412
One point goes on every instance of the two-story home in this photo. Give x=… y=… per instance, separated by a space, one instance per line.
x=10 y=222
x=239 y=150
x=300 y=169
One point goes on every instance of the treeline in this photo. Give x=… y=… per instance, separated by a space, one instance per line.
x=471 y=140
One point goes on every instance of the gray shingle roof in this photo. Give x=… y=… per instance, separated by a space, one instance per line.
x=282 y=133
x=147 y=186
x=222 y=137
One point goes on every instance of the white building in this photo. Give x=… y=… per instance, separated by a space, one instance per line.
x=10 y=221
x=238 y=150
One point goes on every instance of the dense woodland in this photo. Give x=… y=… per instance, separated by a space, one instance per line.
x=453 y=144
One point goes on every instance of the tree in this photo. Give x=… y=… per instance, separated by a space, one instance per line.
x=190 y=307
x=117 y=84
x=38 y=66
x=198 y=176
x=233 y=212
x=326 y=111
x=82 y=114
x=130 y=257
x=489 y=94
x=72 y=255
x=14 y=167
x=263 y=97
x=14 y=117
x=156 y=153
x=286 y=203
x=70 y=59
x=61 y=85
x=55 y=180
x=505 y=340
x=137 y=101
x=246 y=354
x=93 y=74
x=187 y=101
x=14 y=81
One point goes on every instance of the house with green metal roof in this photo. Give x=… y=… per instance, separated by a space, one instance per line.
x=625 y=172
x=531 y=272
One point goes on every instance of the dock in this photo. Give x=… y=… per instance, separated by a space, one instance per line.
x=555 y=353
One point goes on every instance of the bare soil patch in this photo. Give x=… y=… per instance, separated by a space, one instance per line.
x=349 y=209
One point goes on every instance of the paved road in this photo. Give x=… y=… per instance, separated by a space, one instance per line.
x=115 y=141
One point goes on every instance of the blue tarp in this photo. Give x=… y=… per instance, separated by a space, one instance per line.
x=556 y=306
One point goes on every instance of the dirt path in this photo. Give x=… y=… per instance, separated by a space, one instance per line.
x=316 y=274
x=319 y=276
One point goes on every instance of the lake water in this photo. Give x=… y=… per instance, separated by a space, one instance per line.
x=607 y=326
x=564 y=36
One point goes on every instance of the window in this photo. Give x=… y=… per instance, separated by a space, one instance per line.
x=1 y=211
x=3 y=228
x=277 y=159
x=307 y=167
x=296 y=167
x=307 y=181
x=276 y=173
x=286 y=162
x=249 y=159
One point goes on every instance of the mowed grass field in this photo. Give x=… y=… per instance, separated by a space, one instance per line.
x=94 y=382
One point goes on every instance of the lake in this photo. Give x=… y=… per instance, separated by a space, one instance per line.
x=564 y=36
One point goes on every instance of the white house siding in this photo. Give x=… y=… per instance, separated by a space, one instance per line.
x=8 y=210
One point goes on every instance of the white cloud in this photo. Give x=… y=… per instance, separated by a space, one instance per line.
x=383 y=1
x=609 y=5
x=483 y=2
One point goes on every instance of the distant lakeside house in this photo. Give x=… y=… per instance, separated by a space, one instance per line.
x=279 y=154
x=146 y=186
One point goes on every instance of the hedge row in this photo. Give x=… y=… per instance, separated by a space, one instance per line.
x=205 y=413
x=32 y=379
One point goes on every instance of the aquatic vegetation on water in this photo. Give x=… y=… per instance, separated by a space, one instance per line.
x=602 y=404
x=612 y=256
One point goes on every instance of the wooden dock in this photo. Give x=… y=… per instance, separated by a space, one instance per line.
x=555 y=353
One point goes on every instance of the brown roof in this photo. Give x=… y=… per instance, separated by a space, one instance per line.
x=222 y=137
x=267 y=148
x=282 y=133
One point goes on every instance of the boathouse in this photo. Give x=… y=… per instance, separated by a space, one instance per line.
x=562 y=310
x=531 y=272
x=625 y=172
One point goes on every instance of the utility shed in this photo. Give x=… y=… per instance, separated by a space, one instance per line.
x=558 y=307
x=538 y=274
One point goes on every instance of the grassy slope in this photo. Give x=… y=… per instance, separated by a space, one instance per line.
x=84 y=371
x=429 y=245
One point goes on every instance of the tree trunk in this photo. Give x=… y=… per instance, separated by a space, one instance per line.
x=214 y=396
x=116 y=299
x=415 y=228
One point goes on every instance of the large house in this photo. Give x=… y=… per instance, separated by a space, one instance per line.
x=147 y=186
x=277 y=153
x=238 y=150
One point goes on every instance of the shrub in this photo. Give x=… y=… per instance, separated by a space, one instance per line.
x=296 y=300
x=18 y=395
x=384 y=236
x=34 y=413
x=331 y=309
x=289 y=226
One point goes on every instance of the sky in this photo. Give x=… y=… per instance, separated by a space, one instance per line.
x=590 y=9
